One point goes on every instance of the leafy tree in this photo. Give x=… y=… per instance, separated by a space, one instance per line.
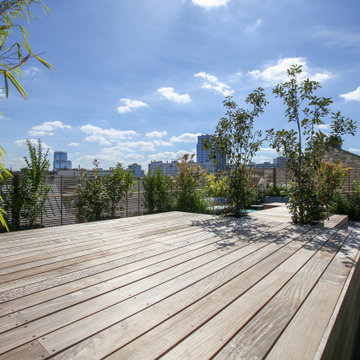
x=91 y=195
x=235 y=137
x=27 y=192
x=3 y=173
x=158 y=191
x=305 y=144
x=189 y=180
x=98 y=197
x=117 y=186
x=36 y=190
x=14 y=54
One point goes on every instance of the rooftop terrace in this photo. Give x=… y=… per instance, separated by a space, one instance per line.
x=179 y=286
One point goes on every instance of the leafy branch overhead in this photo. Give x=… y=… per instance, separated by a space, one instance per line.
x=15 y=53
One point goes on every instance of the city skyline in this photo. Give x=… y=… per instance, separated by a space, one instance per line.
x=139 y=82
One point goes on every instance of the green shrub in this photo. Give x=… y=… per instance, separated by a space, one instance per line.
x=190 y=179
x=158 y=192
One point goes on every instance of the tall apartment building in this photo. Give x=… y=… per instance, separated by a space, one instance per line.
x=136 y=169
x=203 y=156
x=167 y=168
x=61 y=161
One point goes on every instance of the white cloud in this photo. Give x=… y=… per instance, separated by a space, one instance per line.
x=277 y=72
x=146 y=146
x=212 y=82
x=354 y=150
x=254 y=26
x=33 y=70
x=106 y=136
x=210 y=3
x=324 y=127
x=267 y=150
x=74 y=144
x=47 y=128
x=168 y=155
x=352 y=95
x=185 y=137
x=156 y=134
x=130 y=105
x=170 y=94
x=162 y=143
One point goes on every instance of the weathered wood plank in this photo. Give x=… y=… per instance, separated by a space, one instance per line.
x=258 y=335
x=178 y=315
x=213 y=334
x=312 y=319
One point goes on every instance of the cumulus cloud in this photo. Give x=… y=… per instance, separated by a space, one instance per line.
x=168 y=155
x=323 y=127
x=267 y=150
x=254 y=26
x=146 y=146
x=47 y=128
x=170 y=94
x=106 y=136
x=277 y=72
x=352 y=95
x=74 y=144
x=212 y=82
x=130 y=105
x=185 y=138
x=156 y=134
x=210 y=3
x=162 y=143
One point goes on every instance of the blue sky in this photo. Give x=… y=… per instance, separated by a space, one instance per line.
x=138 y=80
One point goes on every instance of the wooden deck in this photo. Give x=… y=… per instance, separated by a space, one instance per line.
x=177 y=286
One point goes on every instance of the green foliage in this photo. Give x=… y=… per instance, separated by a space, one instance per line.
x=235 y=137
x=215 y=186
x=37 y=165
x=118 y=185
x=98 y=197
x=27 y=192
x=278 y=190
x=305 y=144
x=349 y=203
x=3 y=173
x=14 y=54
x=189 y=181
x=240 y=190
x=91 y=196
x=158 y=191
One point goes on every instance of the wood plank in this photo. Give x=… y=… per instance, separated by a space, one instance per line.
x=96 y=267
x=183 y=311
x=25 y=316
x=108 y=317
x=317 y=310
x=213 y=334
x=258 y=335
x=157 y=284
x=139 y=261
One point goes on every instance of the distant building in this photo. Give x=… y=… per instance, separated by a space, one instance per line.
x=136 y=169
x=167 y=168
x=265 y=165
x=280 y=161
x=203 y=156
x=61 y=161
